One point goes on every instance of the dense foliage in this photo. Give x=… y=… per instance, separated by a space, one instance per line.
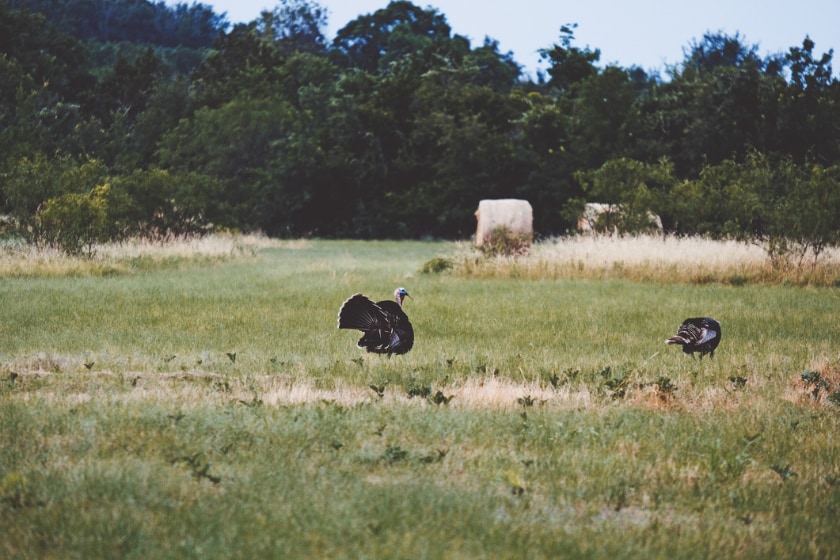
x=398 y=127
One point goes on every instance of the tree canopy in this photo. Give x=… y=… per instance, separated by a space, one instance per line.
x=395 y=128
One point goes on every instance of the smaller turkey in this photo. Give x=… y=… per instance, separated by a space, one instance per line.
x=698 y=334
x=385 y=325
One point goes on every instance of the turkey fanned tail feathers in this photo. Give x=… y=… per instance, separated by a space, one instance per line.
x=385 y=327
x=698 y=334
x=358 y=312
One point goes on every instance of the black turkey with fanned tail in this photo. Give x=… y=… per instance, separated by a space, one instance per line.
x=698 y=334
x=385 y=325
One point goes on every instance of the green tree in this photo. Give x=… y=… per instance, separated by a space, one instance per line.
x=233 y=145
x=167 y=104
x=637 y=191
x=240 y=65
x=701 y=206
x=155 y=204
x=192 y=25
x=569 y=65
x=500 y=72
x=599 y=115
x=809 y=215
x=372 y=41
x=719 y=104
x=296 y=26
x=543 y=134
x=30 y=182
x=122 y=96
x=809 y=121
x=44 y=84
x=587 y=124
x=790 y=210
x=462 y=149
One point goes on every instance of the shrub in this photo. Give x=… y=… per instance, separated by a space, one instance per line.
x=75 y=222
x=436 y=265
x=155 y=204
x=503 y=242
x=30 y=182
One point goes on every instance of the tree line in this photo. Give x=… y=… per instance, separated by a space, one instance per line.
x=133 y=118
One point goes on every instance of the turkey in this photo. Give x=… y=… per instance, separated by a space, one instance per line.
x=386 y=327
x=698 y=334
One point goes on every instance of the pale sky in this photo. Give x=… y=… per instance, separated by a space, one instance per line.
x=646 y=33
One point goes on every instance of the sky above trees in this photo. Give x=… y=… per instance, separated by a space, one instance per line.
x=647 y=33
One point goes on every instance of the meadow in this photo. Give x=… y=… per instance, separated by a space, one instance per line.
x=196 y=400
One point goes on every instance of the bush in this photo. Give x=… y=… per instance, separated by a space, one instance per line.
x=30 y=182
x=74 y=222
x=155 y=204
x=436 y=265
x=503 y=242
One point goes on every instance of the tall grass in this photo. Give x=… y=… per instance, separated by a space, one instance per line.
x=650 y=258
x=210 y=408
x=18 y=259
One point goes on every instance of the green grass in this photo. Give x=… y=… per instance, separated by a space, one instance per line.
x=128 y=429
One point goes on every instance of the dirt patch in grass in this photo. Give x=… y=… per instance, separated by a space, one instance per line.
x=816 y=386
x=188 y=388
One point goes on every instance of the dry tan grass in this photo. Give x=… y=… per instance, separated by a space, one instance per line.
x=496 y=393
x=18 y=260
x=607 y=251
x=187 y=389
x=285 y=390
x=648 y=257
x=217 y=245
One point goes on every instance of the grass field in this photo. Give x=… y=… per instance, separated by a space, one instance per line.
x=197 y=401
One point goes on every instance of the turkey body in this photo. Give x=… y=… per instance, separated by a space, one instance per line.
x=698 y=334
x=385 y=326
